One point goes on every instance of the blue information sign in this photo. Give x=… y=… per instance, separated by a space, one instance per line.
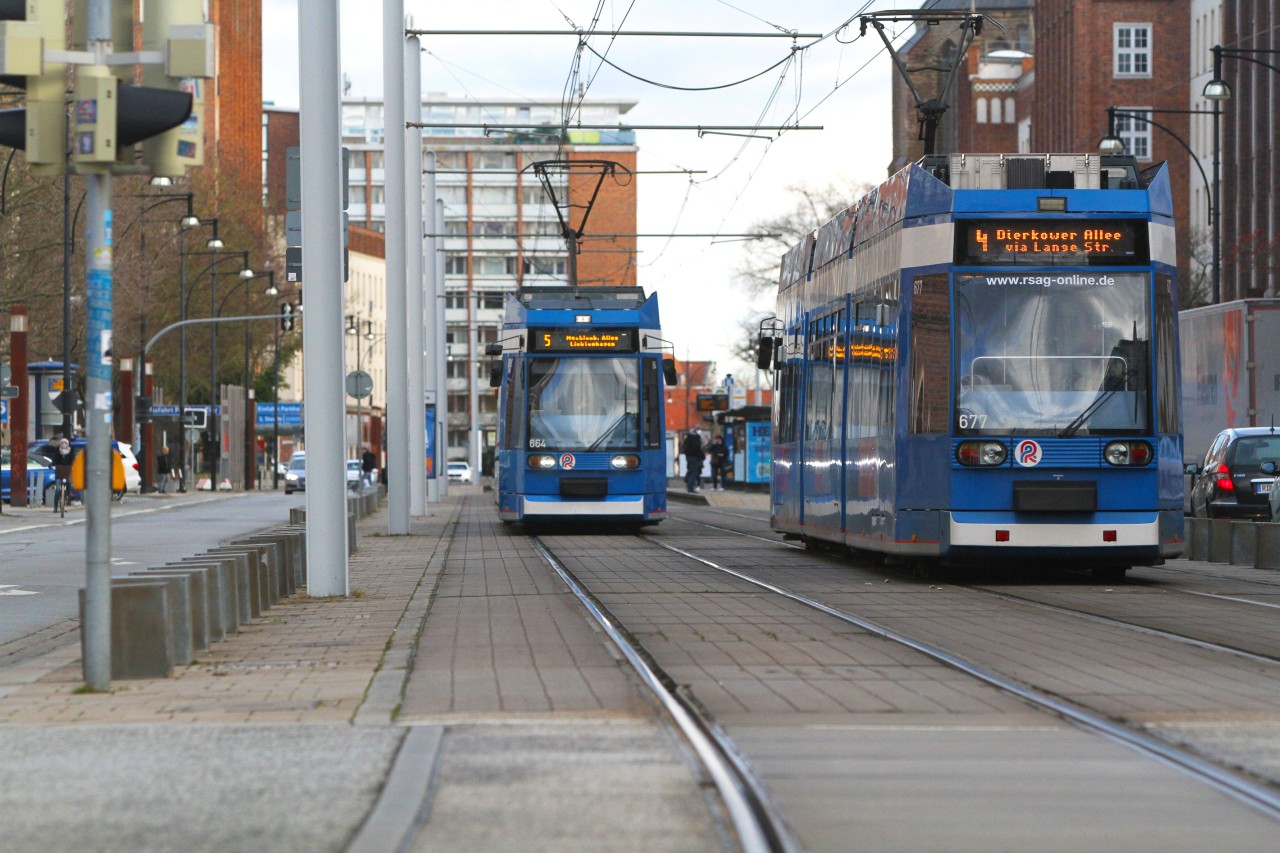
x=431 y=441
x=290 y=415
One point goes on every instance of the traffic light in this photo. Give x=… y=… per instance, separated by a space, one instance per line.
x=29 y=28
x=286 y=317
x=177 y=29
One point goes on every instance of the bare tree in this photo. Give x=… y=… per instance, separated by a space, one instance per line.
x=758 y=271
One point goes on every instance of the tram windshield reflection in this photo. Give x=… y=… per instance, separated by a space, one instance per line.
x=580 y=403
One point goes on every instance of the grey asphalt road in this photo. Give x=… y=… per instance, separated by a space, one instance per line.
x=42 y=559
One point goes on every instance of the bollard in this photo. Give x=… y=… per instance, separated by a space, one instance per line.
x=282 y=554
x=141 y=630
x=1219 y=540
x=179 y=614
x=268 y=571
x=1244 y=543
x=254 y=576
x=224 y=616
x=200 y=584
x=1268 y=554
x=300 y=541
x=1199 y=539
x=351 y=533
x=1188 y=538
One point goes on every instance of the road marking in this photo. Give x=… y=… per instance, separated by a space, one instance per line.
x=8 y=589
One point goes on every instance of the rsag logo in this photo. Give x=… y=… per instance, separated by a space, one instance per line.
x=567 y=462
x=1027 y=453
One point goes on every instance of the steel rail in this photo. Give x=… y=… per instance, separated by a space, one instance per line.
x=760 y=829
x=1258 y=796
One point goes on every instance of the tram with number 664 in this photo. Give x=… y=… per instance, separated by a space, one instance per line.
x=978 y=361
x=581 y=408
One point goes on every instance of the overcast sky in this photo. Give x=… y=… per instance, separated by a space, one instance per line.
x=842 y=84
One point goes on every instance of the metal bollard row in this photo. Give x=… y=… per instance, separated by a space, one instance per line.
x=163 y=616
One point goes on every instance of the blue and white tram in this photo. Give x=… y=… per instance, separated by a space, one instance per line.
x=581 y=413
x=979 y=360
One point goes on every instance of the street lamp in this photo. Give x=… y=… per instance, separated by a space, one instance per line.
x=212 y=243
x=353 y=329
x=1112 y=143
x=1217 y=89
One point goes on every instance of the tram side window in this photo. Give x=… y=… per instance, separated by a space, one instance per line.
x=513 y=417
x=930 y=355
x=1169 y=417
x=650 y=382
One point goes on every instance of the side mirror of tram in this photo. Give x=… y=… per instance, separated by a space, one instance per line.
x=669 y=371
x=493 y=349
x=764 y=352
x=495 y=375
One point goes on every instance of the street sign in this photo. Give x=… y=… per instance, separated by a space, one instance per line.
x=359 y=384
x=6 y=373
x=290 y=416
x=8 y=391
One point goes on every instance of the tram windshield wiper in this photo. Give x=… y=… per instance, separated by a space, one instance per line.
x=1092 y=409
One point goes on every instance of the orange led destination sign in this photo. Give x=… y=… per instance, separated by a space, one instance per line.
x=1054 y=242
x=584 y=340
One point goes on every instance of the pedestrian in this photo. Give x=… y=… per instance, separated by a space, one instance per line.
x=719 y=462
x=368 y=463
x=693 y=456
x=164 y=468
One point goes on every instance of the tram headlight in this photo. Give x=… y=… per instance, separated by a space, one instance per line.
x=1128 y=453
x=624 y=462
x=981 y=454
x=541 y=461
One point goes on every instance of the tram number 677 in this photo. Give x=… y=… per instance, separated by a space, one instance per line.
x=969 y=421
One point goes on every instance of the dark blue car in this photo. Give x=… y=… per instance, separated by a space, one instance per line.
x=36 y=465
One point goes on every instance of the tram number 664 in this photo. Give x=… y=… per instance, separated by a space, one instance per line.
x=969 y=421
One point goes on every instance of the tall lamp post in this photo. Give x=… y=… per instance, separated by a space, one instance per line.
x=212 y=243
x=246 y=276
x=1112 y=143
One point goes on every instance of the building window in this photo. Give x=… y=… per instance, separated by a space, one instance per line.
x=455 y=265
x=494 y=265
x=1135 y=132
x=1133 y=50
x=534 y=195
x=451 y=160
x=494 y=228
x=493 y=195
x=457 y=370
x=494 y=160
x=995 y=111
x=452 y=194
x=490 y=299
x=547 y=265
x=980 y=110
x=456 y=228
x=1008 y=111
x=455 y=300
x=376 y=160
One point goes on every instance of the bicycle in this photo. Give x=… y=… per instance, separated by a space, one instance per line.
x=61 y=492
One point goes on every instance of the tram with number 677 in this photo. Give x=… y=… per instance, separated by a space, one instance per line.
x=978 y=361
x=581 y=408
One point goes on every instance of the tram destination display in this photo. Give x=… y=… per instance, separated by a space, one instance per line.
x=583 y=340
x=1051 y=242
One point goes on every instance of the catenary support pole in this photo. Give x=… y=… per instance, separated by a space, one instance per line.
x=434 y=392
x=97 y=463
x=321 y=168
x=397 y=301
x=442 y=407
x=414 y=279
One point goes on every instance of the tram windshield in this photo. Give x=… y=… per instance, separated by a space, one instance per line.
x=1052 y=354
x=580 y=403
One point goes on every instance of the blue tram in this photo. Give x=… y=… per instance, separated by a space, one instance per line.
x=979 y=360
x=581 y=408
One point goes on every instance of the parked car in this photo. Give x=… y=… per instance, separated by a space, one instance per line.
x=459 y=472
x=295 y=477
x=353 y=474
x=36 y=464
x=1231 y=483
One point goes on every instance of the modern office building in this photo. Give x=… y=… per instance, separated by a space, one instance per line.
x=503 y=224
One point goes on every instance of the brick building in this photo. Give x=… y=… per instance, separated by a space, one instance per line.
x=1132 y=55
x=935 y=46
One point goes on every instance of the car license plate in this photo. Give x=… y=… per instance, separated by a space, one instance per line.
x=1263 y=488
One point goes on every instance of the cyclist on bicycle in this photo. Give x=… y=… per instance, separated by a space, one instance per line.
x=62 y=454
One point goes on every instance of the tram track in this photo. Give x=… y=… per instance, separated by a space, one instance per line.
x=758 y=824
x=1236 y=782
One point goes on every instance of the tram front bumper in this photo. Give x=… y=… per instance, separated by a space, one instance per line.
x=1111 y=531
x=541 y=505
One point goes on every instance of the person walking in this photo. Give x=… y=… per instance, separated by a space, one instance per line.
x=693 y=456
x=368 y=462
x=719 y=462
x=164 y=468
